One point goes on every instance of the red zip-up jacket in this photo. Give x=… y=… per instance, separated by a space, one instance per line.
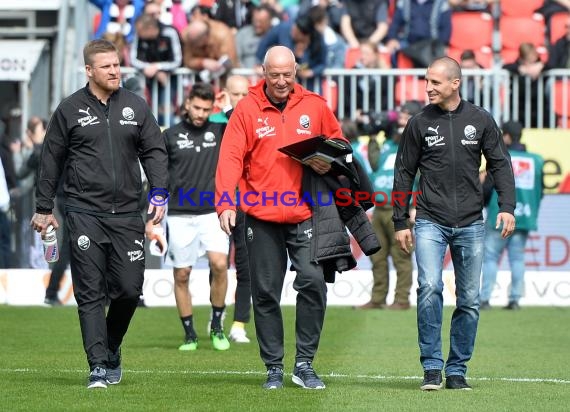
x=269 y=181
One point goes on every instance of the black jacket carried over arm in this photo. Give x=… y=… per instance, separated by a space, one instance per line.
x=330 y=243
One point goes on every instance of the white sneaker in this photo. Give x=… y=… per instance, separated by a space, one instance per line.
x=238 y=335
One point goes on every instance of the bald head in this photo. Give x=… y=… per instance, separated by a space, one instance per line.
x=450 y=67
x=279 y=69
x=196 y=30
x=237 y=88
x=443 y=79
x=279 y=55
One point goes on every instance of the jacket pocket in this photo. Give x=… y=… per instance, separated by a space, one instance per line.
x=78 y=179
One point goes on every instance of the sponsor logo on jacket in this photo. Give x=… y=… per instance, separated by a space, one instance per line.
x=433 y=138
x=87 y=118
x=470 y=133
x=128 y=115
x=265 y=130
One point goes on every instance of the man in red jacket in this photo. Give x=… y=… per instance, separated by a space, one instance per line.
x=275 y=113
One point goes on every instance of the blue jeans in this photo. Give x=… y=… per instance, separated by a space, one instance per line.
x=466 y=246
x=494 y=247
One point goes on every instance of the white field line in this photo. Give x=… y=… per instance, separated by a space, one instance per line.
x=329 y=375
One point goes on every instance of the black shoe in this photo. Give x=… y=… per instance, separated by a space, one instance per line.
x=52 y=302
x=305 y=376
x=274 y=378
x=484 y=305
x=512 y=306
x=457 y=382
x=432 y=380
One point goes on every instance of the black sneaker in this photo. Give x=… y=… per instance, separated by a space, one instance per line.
x=432 y=380
x=457 y=382
x=484 y=305
x=114 y=371
x=305 y=376
x=97 y=378
x=512 y=306
x=274 y=378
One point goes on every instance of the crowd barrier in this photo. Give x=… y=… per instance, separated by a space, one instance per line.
x=544 y=103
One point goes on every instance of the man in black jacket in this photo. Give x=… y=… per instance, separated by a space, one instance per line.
x=98 y=135
x=445 y=142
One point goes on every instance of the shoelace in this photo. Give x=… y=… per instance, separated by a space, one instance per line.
x=274 y=373
x=308 y=372
x=98 y=373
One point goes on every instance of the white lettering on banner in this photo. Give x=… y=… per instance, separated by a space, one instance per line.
x=542 y=288
x=19 y=58
x=13 y=65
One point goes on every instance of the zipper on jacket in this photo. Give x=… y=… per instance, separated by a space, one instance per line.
x=113 y=171
x=454 y=174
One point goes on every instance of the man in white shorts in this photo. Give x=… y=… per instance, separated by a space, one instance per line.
x=193 y=228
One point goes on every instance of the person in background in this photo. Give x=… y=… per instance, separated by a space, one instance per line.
x=116 y=23
x=249 y=36
x=236 y=89
x=193 y=146
x=474 y=84
x=364 y=21
x=382 y=178
x=98 y=135
x=4 y=222
x=274 y=231
x=528 y=66
x=156 y=52
x=415 y=21
x=35 y=133
x=527 y=169
x=26 y=153
x=307 y=43
x=209 y=46
x=445 y=142
x=371 y=91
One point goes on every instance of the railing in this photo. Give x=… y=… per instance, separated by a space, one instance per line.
x=541 y=103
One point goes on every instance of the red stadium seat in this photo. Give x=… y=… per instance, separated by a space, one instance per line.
x=410 y=88
x=519 y=8
x=404 y=62
x=517 y=30
x=471 y=30
x=351 y=57
x=483 y=55
x=558 y=24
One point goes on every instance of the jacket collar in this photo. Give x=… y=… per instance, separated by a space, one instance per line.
x=258 y=93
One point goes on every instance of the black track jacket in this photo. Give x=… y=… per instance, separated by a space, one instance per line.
x=99 y=146
x=192 y=160
x=446 y=147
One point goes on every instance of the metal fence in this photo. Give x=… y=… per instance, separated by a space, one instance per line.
x=542 y=103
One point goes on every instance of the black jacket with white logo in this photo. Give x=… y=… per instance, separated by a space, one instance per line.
x=446 y=147
x=192 y=159
x=100 y=146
